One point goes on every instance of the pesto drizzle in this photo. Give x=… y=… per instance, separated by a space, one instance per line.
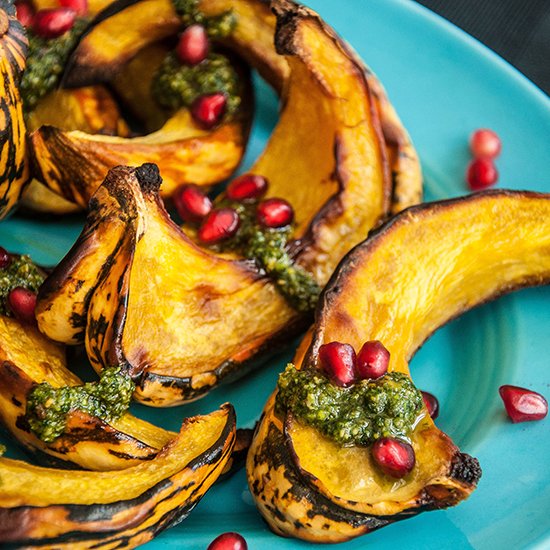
x=21 y=272
x=218 y=26
x=357 y=415
x=45 y=63
x=107 y=399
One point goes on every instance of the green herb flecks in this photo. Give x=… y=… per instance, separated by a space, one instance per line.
x=356 y=415
x=21 y=272
x=218 y=26
x=107 y=399
x=175 y=85
x=45 y=63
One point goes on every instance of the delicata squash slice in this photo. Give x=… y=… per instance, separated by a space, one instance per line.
x=48 y=508
x=424 y=267
x=214 y=312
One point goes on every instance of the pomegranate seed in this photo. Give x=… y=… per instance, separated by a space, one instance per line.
x=431 y=403
x=394 y=457
x=481 y=173
x=228 y=541
x=192 y=203
x=219 y=225
x=246 y=187
x=5 y=258
x=275 y=213
x=22 y=303
x=207 y=110
x=338 y=361
x=53 y=22
x=372 y=360
x=192 y=47
x=80 y=7
x=522 y=404
x=25 y=14
x=485 y=143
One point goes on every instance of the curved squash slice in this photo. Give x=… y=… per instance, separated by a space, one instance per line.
x=423 y=268
x=76 y=510
x=14 y=166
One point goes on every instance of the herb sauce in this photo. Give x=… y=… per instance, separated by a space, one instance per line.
x=357 y=415
x=21 y=272
x=107 y=399
x=218 y=26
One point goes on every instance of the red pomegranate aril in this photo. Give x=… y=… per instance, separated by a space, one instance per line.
x=523 y=405
x=432 y=404
x=372 y=360
x=274 y=213
x=25 y=14
x=192 y=47
x=394 y=457
x=80 y=7
x=481 y=173
x=192 y=203
x=219 y=225
x=246 y=187
x=22 y=303
x=485 y=143
x=5 y=258
x=53 y=22
x=207 y=110
x=338 y=361
x=228 y=541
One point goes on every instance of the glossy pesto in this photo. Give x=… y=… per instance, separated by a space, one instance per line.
x=21 y=272
x=355 y=415
x=218 y=26
x=107 y=399
x=45 y=63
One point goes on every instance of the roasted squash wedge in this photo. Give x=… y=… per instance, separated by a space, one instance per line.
x=48 y=508
x=220 y=312
x=418 y=271
x=14 y=166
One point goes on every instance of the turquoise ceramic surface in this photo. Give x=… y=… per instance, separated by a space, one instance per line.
x=443 y=84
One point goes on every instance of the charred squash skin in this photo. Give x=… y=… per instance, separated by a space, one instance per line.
x=392 y=289
x=45 y=508
x=14 y=166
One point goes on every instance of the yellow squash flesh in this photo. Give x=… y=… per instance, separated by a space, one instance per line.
x=423 y=268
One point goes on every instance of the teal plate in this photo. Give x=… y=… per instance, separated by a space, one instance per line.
x=444 y=84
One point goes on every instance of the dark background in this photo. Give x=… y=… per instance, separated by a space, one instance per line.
x=518 y=30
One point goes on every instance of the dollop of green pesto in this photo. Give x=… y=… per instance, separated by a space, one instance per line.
x=268 y=247
x=107 y=399
x=45 y=63
x=356 y=415
x=218 y=26
x=175 y=85
x=21 y=272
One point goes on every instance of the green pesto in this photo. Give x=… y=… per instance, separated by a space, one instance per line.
x=21 y=272
x=45 y=63
x=268 y=247
x=175 y=85
x=219 y=26
x=356 y=415
x=107 y=399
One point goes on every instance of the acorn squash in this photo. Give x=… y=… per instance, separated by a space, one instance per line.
x=219 y=311
x=424 y=267
x=43 y=507
x=14 y=166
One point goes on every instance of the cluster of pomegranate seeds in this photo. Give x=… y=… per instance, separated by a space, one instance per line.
x=344 y=368
x=246 y=187
x=208 y=110
x=523 y=405
x=228 y=541
x=193 y=45
x=192 y=203
x=22 y=303
x=5 y=258
x=393 y=456
x=431 y=403
x=219 y=225
x=485 y=146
